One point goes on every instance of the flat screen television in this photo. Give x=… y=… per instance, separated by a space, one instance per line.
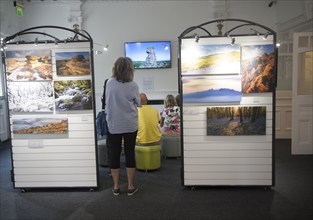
x=149 y=54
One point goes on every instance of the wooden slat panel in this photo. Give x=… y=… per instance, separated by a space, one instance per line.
x=54 y=170
x=193 y=182
x=228 y=176
x=257 y=99
x=195 y=124
x=195 y=131
x=81 y=127
x=229 y=154
x=55 y=178
x=54 y=149
x=203 y=131
x=226 y=160
x=54 y=156
x=73 y=46
x=55 y=142
x=81 y=119
x=196 y=117
x=20 y=184
x=81 y=134
x=227 y=146
x=203 y=124
x=228 y=168
x=58 y=163
x=229 y=161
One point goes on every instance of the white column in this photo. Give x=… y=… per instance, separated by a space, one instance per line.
x=220 y=11
x=75 y=15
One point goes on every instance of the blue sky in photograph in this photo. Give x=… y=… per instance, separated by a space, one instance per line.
x=23 y=53
x=25 y=123
x=207 y=50
x=137 y=50
x=69 y=55
x=251 y=51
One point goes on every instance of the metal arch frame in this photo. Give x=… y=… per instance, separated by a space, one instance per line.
x=184 y=35
x=36 y=32
x=86 y=37
x=246 y=23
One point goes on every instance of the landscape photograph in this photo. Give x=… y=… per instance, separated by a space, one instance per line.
x=30 y=96
x=149 y=54
x=72 y=63
x=73 y=95
x=210 y=59
x=232 y=121
x=258 y=68
x=206 y=89
x=28 y=65
x=41 y=125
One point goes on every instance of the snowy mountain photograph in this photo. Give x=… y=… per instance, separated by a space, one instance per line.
x=202 y=89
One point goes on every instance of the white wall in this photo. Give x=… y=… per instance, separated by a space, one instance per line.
x=10 y=22
x=114 y=23
x=255 y=11
x=285 y=6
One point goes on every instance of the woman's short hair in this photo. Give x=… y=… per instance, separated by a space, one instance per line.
x=123 y=69
x=169 y=101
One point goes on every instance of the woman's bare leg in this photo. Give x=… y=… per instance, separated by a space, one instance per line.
x=115 y=175
x=130 y=177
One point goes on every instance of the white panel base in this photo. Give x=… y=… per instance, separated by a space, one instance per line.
x=227 y=160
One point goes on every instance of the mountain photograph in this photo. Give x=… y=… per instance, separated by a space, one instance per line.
x=257 y=69
x=210 y=59
x=72 y=63
x=40 y=125
x=28 y=65
x=207 y=89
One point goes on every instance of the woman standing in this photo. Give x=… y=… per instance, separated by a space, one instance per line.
x=122 y=100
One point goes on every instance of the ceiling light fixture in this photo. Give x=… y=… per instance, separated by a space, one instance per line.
x=256 y=32
x=106 y=47
x=265 y=36
x=233 y=40
x=197 y=38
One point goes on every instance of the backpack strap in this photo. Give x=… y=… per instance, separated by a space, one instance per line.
x=103 y=95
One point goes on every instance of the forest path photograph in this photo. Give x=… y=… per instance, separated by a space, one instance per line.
x=231 y=121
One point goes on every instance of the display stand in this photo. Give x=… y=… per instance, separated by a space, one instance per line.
x=50 y=87
x=227 y=83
